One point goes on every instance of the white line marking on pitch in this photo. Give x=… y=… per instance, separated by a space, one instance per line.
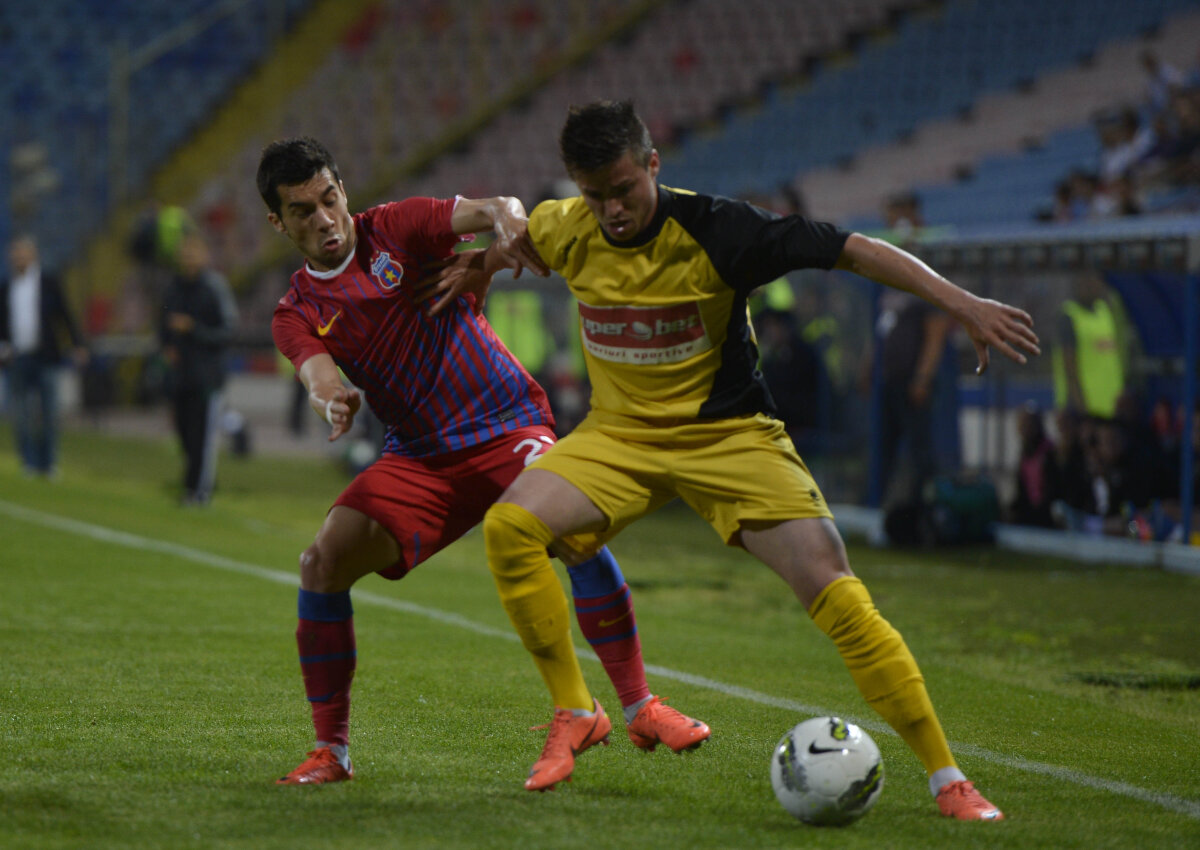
x=1191 y=808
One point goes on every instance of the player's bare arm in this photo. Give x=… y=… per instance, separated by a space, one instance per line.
x=467 y=272
x=506 y=217
x=336 y=403
x=989 y=323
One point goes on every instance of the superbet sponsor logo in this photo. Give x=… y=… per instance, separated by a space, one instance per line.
x=644 y=334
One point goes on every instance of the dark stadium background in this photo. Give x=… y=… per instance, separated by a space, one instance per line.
x=997 y=122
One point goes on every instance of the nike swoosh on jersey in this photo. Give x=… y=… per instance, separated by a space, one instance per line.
x=322 y=330
x=606 y=623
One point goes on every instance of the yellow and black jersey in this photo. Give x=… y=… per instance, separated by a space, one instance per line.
x=663 y=317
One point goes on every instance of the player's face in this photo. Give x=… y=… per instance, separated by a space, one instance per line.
x=315 y=216
x=622 y=195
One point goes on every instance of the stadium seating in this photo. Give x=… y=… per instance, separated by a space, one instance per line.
x=896 y=114
x=715 y=79
x=58 y=61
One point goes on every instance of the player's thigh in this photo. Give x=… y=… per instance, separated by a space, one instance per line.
x=349 y=545
x=423 y=504
x=591 y=483
x=808 y=554
x=426 y=503
x=750 y=473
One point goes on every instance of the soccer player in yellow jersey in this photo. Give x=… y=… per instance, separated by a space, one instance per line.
x=678 y=408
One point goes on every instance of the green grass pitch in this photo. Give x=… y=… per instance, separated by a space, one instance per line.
x=150 y=693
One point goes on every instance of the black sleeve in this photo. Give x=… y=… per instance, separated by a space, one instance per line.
x=60 y=311
x=750 y=246
x=5 y=329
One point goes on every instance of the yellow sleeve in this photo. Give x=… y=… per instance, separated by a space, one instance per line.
x=545 y=229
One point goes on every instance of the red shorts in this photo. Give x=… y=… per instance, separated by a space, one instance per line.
x=429 y=502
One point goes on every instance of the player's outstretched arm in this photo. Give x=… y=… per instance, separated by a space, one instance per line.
x=989 y=323
x=467 y=272
x=506 y=217
x=336 y=403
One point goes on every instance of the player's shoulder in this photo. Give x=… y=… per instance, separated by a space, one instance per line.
x=557 y=212
x=685 y=203
x=714 y=220
x=556 y=224
x=400 y=212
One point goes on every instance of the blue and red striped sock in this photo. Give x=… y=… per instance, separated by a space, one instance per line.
x=604 y=609
x=325 y=637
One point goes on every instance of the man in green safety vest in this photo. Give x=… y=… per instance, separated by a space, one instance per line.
x=1089 y=369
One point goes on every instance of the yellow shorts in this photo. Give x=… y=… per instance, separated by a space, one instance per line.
x=729 y=471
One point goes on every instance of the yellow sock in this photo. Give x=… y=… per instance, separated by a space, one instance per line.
x=533 y=597
x=883 y=668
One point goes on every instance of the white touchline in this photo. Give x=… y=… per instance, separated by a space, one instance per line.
x=1184 y=806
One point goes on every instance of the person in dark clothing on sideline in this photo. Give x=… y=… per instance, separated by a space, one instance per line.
x=198 y=319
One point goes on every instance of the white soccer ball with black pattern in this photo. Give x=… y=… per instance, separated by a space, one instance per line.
x=827 y=772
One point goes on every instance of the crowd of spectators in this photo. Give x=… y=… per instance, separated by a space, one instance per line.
x=1150 y=152
x=1116 y=477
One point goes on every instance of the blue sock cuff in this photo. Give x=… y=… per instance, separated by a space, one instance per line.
x=597 y=576
x=324 y=607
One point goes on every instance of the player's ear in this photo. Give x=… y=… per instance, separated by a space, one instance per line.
x=276 y=222
x=345 y=197
x=653 y=164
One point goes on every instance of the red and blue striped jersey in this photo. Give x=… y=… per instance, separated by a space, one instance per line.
x=437 y=384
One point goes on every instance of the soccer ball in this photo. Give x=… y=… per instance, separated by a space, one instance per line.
x=827 y=772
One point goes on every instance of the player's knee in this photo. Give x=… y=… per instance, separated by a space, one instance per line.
x=319 y=570
x=509 y=533
x=499 y=533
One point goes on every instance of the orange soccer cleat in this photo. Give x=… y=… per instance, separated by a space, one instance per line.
x=321 y=766
x=569 y=735
x=961 y=800
x=657 y=722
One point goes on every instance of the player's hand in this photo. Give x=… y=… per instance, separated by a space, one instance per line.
x=1005 y=328
x=465 y=273
x=513 y=246
x=180 y=323
x=339 y=410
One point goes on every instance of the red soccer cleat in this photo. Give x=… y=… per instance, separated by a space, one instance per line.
x=657 y=722
x=569 y=736
x=320 y=767
x=961 y=800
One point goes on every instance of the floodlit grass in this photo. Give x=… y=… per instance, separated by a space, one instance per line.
x=150 y=695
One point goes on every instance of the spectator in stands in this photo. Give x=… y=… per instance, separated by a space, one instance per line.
x=903 y=216
x=197 y=321
x=1031 y=505
x=1088 y=362
x=1175 y=160
x=34 y=325
x=1125 y=141
x=1085 y=186
x=1063 y=209
x=1161 y=79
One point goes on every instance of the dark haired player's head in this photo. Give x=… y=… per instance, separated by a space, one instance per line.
x=291 y=162
x=600 y=133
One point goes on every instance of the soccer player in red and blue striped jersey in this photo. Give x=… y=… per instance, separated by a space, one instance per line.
x=462 y=419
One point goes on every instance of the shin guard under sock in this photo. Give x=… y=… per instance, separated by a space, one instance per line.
x=604 y=609
x=883 y=668
x=533 y=597
x=325 y=638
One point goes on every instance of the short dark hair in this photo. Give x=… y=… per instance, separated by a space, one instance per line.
x=290 y=162
x=600 y=133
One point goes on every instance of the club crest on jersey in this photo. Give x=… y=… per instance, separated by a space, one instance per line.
x=386 y=270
